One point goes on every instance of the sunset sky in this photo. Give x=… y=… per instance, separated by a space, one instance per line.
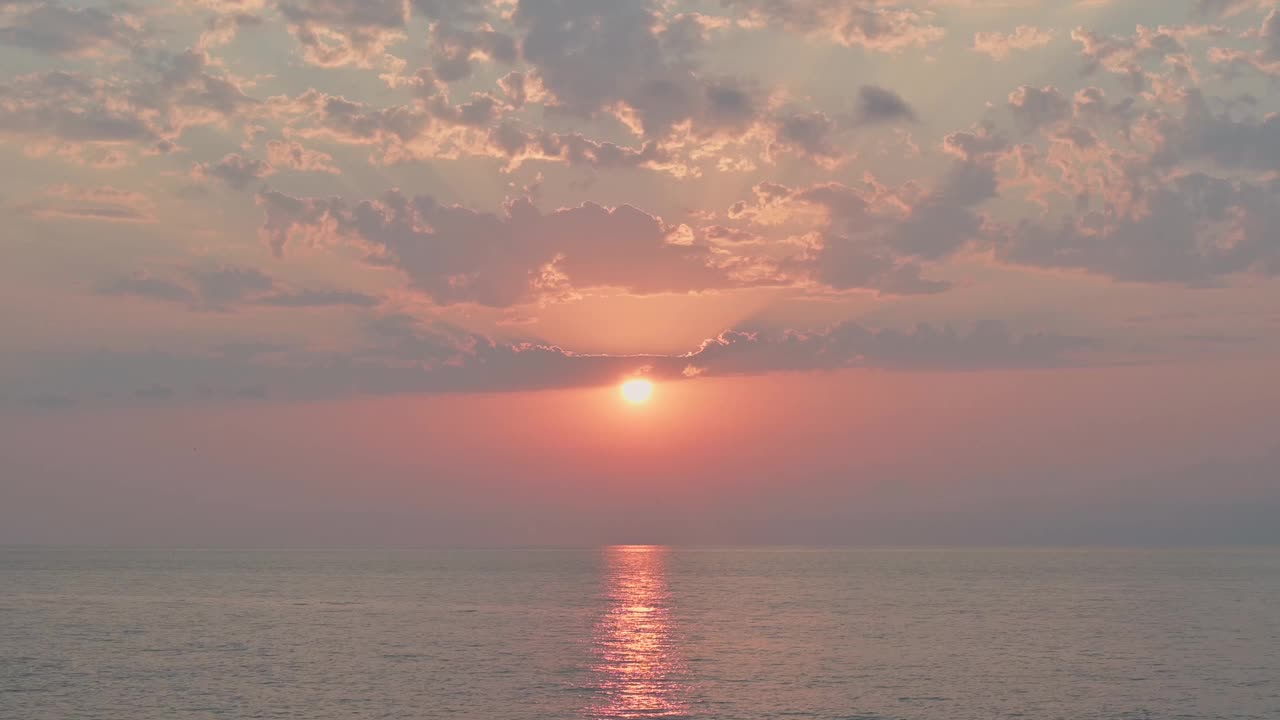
x=338 y=272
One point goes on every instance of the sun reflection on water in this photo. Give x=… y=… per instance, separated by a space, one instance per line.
x=637 y=659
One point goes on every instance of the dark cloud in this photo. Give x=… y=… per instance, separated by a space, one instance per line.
x=1193 y=229
x=184 y=82
x=58 y=29
x=221 y=288
x=594 y=56
x=71 y=107
x=910 y=224
x=235 y=170
x=404 y=356
x=1200 y=133
x=881 y=105
x=148 y=286
x=845 y=263
x=988 y=345
x=455 y=254
x=810 y=134
x=1034 y=107
x=66 y=112
x=212 y=288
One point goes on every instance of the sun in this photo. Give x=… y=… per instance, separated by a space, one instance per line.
x=637 y=391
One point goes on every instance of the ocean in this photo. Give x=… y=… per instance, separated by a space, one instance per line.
x=640 y=632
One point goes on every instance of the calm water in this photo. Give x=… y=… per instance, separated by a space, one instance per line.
x=640 y=632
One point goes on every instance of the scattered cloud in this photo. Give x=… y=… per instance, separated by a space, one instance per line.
x=54 y=28
x=235 y=170
x=105 y=204
x=999 y=46
x=224 y=288
x=293 y=156
x=454 y=254
x=871 y=24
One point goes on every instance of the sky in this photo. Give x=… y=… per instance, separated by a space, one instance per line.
x=901 y=272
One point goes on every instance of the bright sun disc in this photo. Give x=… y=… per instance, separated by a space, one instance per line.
x=637 y=391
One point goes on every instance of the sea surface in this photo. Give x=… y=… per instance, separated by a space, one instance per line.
x=640 y=632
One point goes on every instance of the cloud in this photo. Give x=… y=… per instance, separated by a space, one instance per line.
x=456 y=51
x=293 y=156
x=1167 y=177
x=872 y=24
x=988 y=345
x=235 y=170
x=1265 y=60
x=70 y=107
x=361 y=33
x=207 y=288
x=485 y=364
x=455 y=255
x=73 y=114
x=809 y=134
x=401 y=355
x=845 y=263
x=831 y=236
x=145 y=285
x=1034 y=107
x=622 y=58
x=517 y=146
x=338 y=119
x=1270 y=34
x=881 y=105
x=430 y=127
x=874 y=237
x=620 y=64
x=104 y=203
x=1169 y=187
x=1192 y=229
x=1130 y=55
x=999 y=46
x=334 y=33
x=1199 y=133
x=223 y=288
x=56 y=29
x=227 y=19
x=846 y=236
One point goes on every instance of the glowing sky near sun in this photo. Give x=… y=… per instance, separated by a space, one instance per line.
x=240 y=206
